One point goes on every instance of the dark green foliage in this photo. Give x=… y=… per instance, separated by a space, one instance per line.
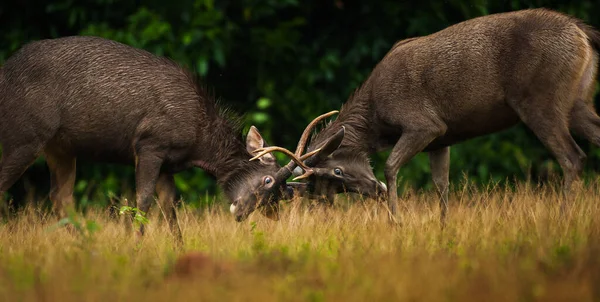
x=280 y=63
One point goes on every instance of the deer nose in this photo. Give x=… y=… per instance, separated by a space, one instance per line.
x=381 y=188
x=233 y=206
x=382 y=185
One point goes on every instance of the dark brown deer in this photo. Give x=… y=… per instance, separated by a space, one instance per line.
x=474 y=78
x=95 y=99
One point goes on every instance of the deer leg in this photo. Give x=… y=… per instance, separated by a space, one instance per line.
x=439 y=161
x=585 y=122
x=62 y=180
x=165 y=188
x=14 y=162
x=147 y=170
x=551 y=129
x=410 y=143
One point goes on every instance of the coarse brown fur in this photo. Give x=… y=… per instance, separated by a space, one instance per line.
x=96 y=99
x=474 y=78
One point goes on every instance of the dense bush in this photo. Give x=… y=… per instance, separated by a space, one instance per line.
x=280 y=63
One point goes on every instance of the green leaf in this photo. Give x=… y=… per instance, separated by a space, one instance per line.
x=260 y=117
x=263 y=103
x=186 y=39
x=202 y=66
x=219 y=56
x=125 y=210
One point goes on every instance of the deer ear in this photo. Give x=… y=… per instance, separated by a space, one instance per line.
x=255 y=141
x=332 y=144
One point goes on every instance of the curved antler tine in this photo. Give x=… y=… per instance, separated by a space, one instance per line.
x=257 y=150
x=282 y=150
x=303 y=176
x=259 y=155
x=304 y=137
x=303 y=157
x=296 y=158
x=309 y=154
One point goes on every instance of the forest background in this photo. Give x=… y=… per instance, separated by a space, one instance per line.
x=279 y=63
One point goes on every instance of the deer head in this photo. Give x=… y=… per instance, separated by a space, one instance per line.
x=267 y=177
x=331 y=168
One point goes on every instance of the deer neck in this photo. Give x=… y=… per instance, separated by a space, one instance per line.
x=220 y=152
x=356 y=116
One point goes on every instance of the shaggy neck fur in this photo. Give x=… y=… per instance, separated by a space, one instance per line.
x=223 y=151
x=354 y=116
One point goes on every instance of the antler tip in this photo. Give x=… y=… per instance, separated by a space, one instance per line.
x=259 y=155
x=303 y=176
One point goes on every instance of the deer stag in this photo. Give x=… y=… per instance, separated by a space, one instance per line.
x=97 y=99
x=474 y=78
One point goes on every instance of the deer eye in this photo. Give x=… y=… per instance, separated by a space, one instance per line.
x=267 y=180
x=337 y=171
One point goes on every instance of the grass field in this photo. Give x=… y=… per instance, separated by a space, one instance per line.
x=498 y=245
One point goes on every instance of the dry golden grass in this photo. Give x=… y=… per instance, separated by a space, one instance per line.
x=498 y=245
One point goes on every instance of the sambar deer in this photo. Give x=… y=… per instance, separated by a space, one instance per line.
x=96 y=99
x=474 y=78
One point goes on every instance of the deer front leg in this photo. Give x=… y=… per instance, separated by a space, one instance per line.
x=439 y=162
x=412 y=141
x=147 y=170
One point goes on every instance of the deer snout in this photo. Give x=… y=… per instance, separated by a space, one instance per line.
x=382 y=187
x=239 y=210
x=233 y=206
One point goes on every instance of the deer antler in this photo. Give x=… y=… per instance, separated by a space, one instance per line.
x=297 y=157
x=309 y=154
x=309 y=127
x=263 y=151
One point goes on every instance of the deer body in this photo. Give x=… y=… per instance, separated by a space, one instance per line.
x=470 y=79
x=97 y=99
x=470 y=76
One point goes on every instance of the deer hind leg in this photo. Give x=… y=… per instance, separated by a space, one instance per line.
x=550 y=127
x=583 y=119
x=439 y=162
x=166 y=190
x=13 y=164
x=585 y=122
x=62 y=180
